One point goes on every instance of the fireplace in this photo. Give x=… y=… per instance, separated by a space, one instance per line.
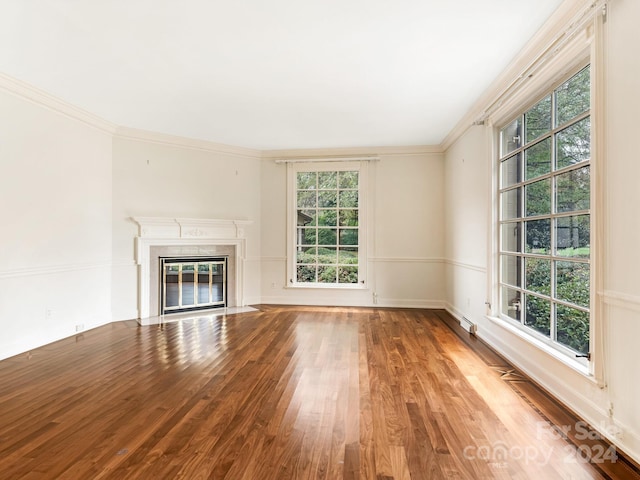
x=188 y=239
x=192 y=283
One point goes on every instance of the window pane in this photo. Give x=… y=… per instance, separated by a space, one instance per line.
x=572 y=282
x=510 y=303
x=327 y=255
x=538 y=316
x=327 y=218
x=572 y=327
x=538 y=119
x=306 y=273
x=203 y=289
x=306 y=218
x=306 y=180
x=216 y=269
x=574 y=144
x=510 y=139
x=327 y=180
x=348 y=255
x=511 y=270
x=510 y=201
x=306 y=199
x=538 y=159
x=347 y=274
x=306 y=236
x=538 y=275
x=348 y=199
x=217 y=291
x=348 y=218
x=348 y=180
x=172 y=273
x=545 y=201
x=572 y=236
x=573 y=190
x=306 y=255
x=327 y=198
x=348 y=236
x=510 y=171
x=510 y=236
x=327 y=236
x=188 y=284
x=327 y=274
x=327 y=226
x=573 y=97
x=538 y=198
x=538 y=239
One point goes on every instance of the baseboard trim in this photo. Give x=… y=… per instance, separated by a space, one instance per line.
x=332 y=302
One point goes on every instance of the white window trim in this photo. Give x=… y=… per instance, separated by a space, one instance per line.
x=362 y=166
x=582 y=50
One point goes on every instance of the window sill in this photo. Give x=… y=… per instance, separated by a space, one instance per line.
x=574 y=364
x=332 y=286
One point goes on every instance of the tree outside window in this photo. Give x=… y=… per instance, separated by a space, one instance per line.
x=545 y=218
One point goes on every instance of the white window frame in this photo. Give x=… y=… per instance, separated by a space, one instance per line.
x=552 y=217
x=293 y=168
x=585 y=47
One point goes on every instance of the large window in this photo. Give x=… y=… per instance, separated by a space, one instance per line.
x=327 y=238
x=545 y=217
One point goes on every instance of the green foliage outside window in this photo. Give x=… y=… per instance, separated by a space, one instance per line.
x=327 y=238
x=545 y=202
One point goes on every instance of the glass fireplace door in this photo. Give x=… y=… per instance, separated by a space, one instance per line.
x=193 y=284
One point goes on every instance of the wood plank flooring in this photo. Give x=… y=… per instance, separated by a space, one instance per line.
x=285 y=392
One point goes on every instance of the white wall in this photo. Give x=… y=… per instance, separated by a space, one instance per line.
x=55 y=247
x=467 y=213
x=622 y=222
x=167 y=179
x=405 y=241
x=468 y=200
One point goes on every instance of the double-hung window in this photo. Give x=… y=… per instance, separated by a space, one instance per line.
x=326 y=234
x=545 y=217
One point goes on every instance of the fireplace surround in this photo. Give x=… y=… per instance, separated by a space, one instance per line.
x=161 y=237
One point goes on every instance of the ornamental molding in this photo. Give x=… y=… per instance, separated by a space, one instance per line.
x=203 y=228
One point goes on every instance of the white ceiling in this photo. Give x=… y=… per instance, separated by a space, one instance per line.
x=270 y=74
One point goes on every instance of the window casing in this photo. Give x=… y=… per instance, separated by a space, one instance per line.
x=326 y=218
x=544 y=195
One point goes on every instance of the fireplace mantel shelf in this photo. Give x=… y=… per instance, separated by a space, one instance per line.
x=165 y=227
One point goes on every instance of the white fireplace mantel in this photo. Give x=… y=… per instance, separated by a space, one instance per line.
x=181 y=234
x=162 y=227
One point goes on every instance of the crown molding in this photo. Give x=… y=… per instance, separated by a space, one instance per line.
x=559 y=23
x=39 y=97
x=352 y=151
x=128 y=133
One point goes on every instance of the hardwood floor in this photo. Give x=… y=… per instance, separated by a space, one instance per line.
x=285 y=392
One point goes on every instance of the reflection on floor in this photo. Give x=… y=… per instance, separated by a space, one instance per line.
x=194 y=316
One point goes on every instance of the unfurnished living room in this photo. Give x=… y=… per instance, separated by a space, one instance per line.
x=319 y=239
